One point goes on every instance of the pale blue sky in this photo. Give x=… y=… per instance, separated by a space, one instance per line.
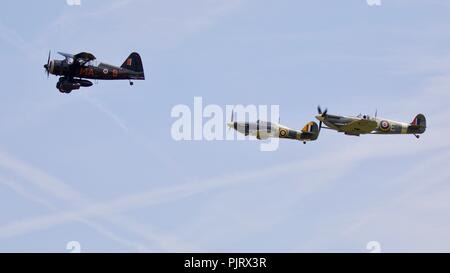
x=99 y=166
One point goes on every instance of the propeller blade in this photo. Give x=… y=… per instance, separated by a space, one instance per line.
x=47 y=66
x=232 y=120
x=320 y=126
x=319 y=110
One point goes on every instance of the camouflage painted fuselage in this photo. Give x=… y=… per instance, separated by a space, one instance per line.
x=265 y=130
x=368 y=125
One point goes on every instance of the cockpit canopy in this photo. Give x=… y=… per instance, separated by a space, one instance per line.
x=83 y=58
x=361 y=116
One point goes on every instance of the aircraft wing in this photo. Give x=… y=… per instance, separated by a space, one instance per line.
x=263 y=135
x=66 y=55
x=361 y=126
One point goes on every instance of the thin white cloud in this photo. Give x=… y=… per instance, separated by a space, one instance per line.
x=136 y=137
x=100 y=106
x=345 y=156
x=16 y=41
x=62 y=191
x=23 y=191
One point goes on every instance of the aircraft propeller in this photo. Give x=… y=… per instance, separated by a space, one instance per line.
x=232 y=120
x=47 y=66
x=323 y=114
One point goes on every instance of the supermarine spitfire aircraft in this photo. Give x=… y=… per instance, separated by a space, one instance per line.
x=364 y=124
x=75 y=69
x=264 y=130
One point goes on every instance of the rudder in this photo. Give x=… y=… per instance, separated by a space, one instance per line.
x=420 y=121
x=419 y=124
x=134 y=63
x=312 y=129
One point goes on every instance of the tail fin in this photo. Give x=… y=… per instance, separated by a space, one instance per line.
x=419 y=124
x=311 y=131
x=420 y=121
x=134 y=63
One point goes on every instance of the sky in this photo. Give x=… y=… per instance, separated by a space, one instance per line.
x=99 y=166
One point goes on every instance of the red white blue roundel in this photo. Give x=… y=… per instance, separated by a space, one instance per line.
x=385 y=125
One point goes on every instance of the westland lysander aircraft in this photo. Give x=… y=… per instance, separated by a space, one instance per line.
x=364 y=124
x=264 y=130
x=75 y=69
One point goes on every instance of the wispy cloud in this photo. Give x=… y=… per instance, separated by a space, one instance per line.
x=136 y=137
x=412 y=211
x=16 y=41
x=343 y=161
x=23 y=191
x=56 y=188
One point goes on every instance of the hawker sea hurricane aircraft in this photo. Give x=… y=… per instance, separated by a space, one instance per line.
x=364 y=124
x=264 y=130
x=75 y=69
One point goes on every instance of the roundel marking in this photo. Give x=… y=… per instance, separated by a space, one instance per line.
x=283 y=132
x=105 y=71
x=385 y=125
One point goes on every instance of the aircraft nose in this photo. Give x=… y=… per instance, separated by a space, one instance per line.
x=320 y=117
x=51 y=67
x=230 y=124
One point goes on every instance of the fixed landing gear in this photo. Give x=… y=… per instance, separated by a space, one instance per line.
x=60 y=87
x=304 y=142
x=417 y=136
x=131 y=83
